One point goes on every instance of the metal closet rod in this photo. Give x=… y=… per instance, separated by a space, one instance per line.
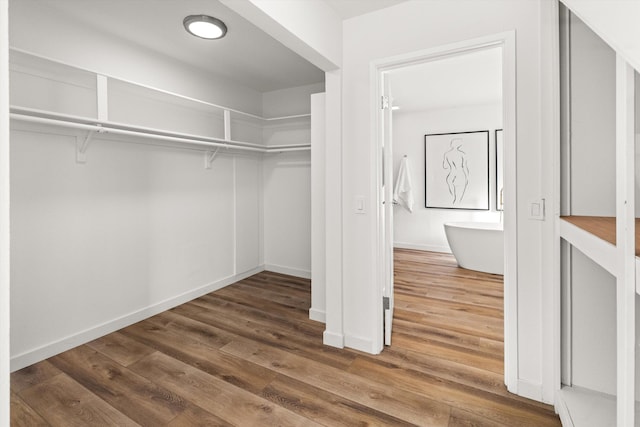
x=166 y=92
x=116 y=131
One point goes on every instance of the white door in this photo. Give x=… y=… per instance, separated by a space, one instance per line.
x=386 y=208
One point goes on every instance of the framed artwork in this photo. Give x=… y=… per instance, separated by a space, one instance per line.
x=499 y=169
x=457 y=170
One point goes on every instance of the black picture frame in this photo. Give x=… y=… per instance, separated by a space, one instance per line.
x=499 y=144
x=457 y=170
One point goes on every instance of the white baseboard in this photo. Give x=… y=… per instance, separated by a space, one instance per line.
x=418 y=247
x=359 y=343
x=317 y=315
x=332 y=339
x=305 y=274
x=530 y=390
x=38 y=354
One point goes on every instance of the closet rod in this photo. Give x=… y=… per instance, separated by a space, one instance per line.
x=116 y=131
x=166 y=92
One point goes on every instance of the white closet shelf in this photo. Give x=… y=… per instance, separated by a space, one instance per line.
x=93 y=125
x=158 y=90
x=585 y=408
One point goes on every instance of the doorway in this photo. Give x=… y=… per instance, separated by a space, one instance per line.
x=421 y=70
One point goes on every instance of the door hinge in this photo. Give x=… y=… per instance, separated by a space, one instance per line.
x=385 y=303
x=384 y=102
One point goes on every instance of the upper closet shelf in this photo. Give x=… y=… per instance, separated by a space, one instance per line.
x=51 y=92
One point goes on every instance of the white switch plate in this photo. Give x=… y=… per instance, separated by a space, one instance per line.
x=536 y=209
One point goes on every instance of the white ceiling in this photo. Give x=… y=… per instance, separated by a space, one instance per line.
x=349 y=8
x=246 y=55
x=470 y=79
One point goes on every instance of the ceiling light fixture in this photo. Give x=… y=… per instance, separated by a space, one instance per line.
x=205 y=27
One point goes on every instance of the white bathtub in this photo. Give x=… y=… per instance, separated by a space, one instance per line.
x=477 y=245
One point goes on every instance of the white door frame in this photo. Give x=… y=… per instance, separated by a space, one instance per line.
x=507 y=41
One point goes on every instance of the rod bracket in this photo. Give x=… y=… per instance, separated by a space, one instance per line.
x=82 y=146
x=209 y=157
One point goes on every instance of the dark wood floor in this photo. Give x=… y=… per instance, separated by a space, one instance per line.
x=248 y=355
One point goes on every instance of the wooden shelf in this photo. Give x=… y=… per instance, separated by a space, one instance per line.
x=594 y=237
x=602 y=227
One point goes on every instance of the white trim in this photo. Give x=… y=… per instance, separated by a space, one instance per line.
x=552 y=289
x=360 y=343
x=563 y=410
x=419 y=247
x=332 y=339
x=530 y=390
x=583 y=407
x=511 y=356
x=625 y=238
x=317 y=315
x=334 y=215
x=32 y=356
x=506 y=40
x=290 y=271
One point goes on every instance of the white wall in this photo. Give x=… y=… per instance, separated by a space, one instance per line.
x=287 y=213
x=593 y=148
x=424 y=228
x=4 y=217
x=418 y=25
x=135 y=230
x=287 y=182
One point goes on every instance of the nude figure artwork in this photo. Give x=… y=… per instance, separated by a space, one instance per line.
x=455 y=163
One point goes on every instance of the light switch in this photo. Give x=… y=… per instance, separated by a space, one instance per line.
x=360 y=205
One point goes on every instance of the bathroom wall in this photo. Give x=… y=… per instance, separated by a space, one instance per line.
x=423 y=228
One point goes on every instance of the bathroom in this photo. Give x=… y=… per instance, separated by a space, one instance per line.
x=435 y=103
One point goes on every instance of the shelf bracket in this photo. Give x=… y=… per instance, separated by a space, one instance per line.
x=209 y=157
x=82 y=146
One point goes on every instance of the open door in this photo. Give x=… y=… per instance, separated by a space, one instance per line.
x=386 y=208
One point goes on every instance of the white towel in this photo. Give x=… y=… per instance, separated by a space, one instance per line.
x=402 y=192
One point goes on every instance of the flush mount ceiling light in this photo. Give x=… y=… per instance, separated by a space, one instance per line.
x=205 y=27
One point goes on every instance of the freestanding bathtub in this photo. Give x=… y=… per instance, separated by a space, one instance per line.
x=477 y=245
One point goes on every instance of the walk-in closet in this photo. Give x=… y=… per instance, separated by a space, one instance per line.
x=148 y=168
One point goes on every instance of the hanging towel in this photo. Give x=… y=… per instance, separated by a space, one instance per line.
x=402 y=192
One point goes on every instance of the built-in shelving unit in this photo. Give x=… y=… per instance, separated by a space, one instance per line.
x=100 y=104
x=600 y=251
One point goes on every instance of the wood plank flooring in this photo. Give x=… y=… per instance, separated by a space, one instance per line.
x=248 y=355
